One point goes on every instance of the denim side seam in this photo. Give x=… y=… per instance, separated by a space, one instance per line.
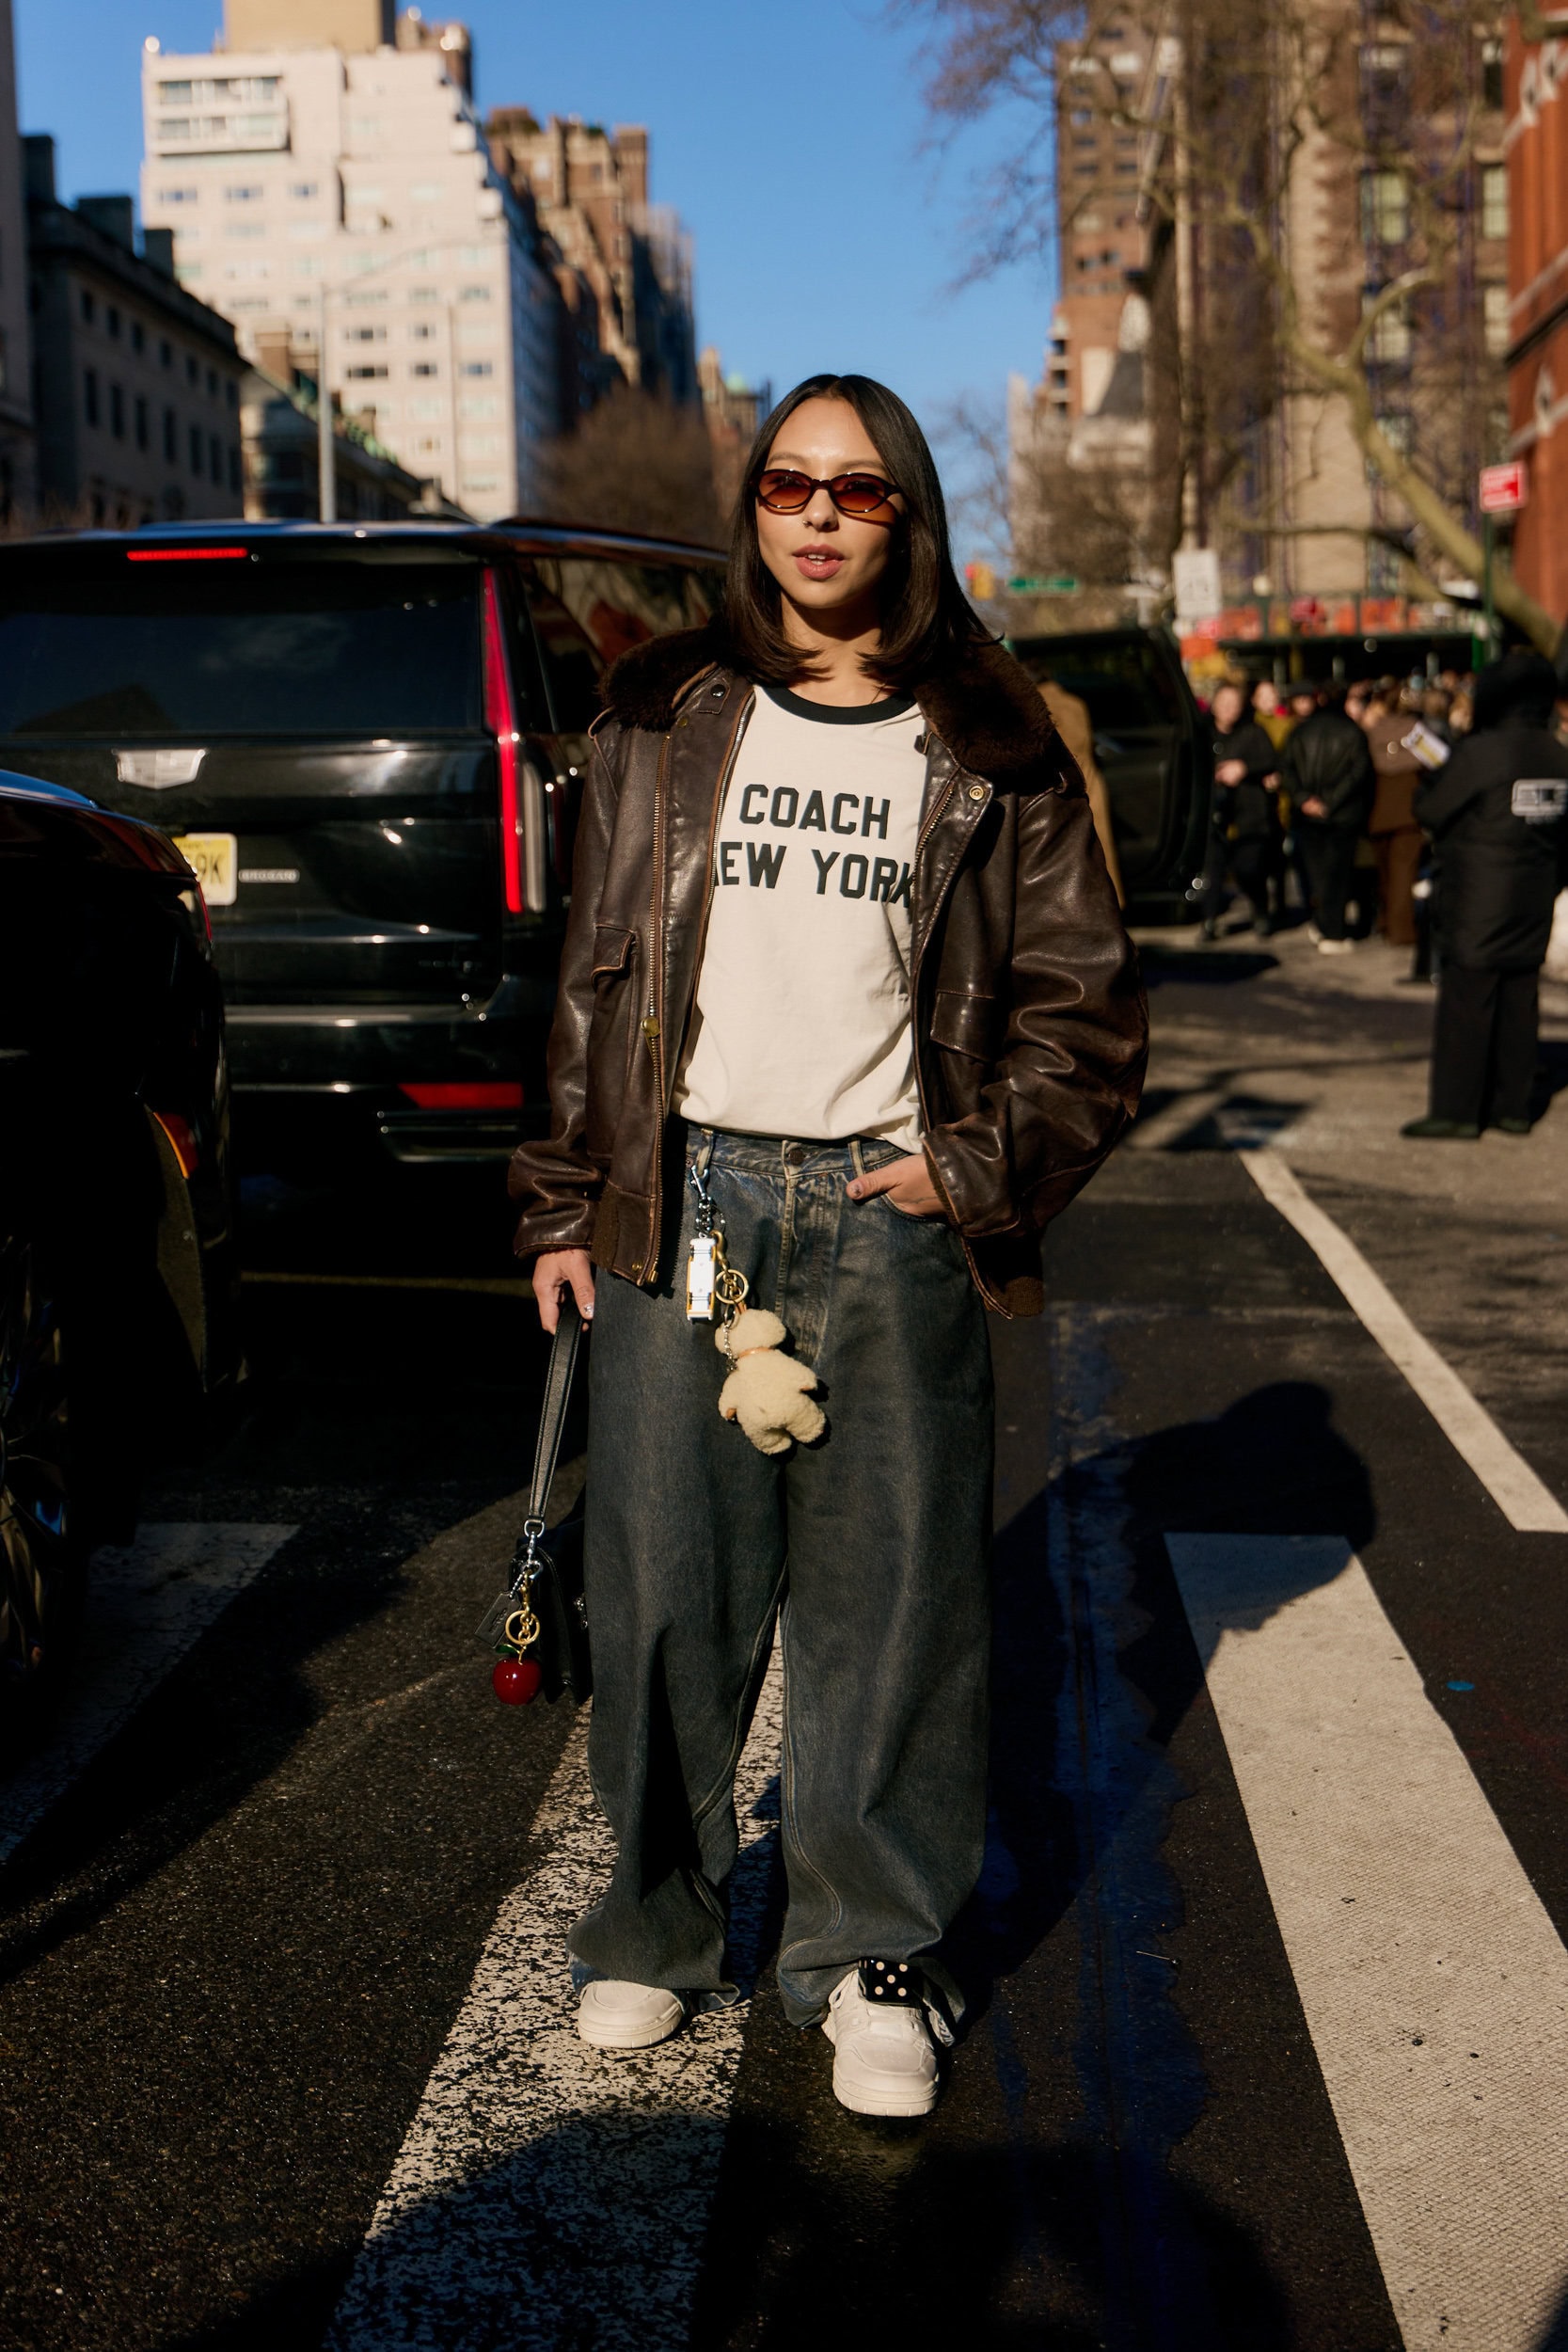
x=725 y=1782
x=789 y=1820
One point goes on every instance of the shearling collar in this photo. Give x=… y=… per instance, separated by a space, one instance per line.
x=981 y=704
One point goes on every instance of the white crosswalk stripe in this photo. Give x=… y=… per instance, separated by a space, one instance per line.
x=147 y=1604
x=547 y=2193
x=1434 y=1985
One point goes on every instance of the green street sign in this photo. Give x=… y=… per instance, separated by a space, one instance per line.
x=1059 y=584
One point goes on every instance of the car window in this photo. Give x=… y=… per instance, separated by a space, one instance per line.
x=572 y=665
x=622 y=604
x=122 y=649
x=1124 y=680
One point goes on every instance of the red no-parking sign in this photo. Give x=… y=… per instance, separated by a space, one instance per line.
x=1503 y=487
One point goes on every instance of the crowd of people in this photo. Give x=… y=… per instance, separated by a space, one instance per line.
x=1321 y=777
x=1432 y=811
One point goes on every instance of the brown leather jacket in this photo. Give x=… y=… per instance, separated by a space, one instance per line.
x=1030 y=1023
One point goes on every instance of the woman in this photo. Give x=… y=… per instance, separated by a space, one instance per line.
x=845 y=972
x=1247 y=835
x=1499 y=814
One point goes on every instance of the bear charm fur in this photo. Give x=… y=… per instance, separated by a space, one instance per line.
x=766 y=1392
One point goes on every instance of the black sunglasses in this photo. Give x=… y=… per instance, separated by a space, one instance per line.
x=784 y=491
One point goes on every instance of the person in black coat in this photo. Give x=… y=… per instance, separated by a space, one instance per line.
x=1246 y=832
x=1499 y=815
x=1327 y=770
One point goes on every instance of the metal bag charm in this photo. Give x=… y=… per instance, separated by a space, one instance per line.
x=515 y=1676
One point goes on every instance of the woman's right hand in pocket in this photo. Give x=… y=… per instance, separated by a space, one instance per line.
x=558 y=1271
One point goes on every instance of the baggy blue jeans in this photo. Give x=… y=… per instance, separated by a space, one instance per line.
x=869 y=1547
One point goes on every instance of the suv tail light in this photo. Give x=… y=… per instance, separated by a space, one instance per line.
x=522 y=795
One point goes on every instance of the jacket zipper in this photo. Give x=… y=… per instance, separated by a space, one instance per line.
x=653 y=1025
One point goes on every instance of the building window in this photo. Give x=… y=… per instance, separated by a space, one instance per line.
x=171 y=436
x=234 y=470
x=1494 y=316
x=1491 y=74
x=212 y=383
x=1390 y=338
x=422 y=331
x=178 y=195
x=166 y=353
x=193 y=374
x=244 y=195
x=111 y=320
x=89 y=396
x=305 y=189
x=196 y=449
x=139 y=336
x=361 y=372
x=215 y=459
x=141 y=424
x=476 y=367
x=424 y=294
x=473 y=293
x=425 y=366
x=1493 y=199
x=364 y=335
x=231 y=393
x=90 y=307
x=1384 y=208
x=117 y=412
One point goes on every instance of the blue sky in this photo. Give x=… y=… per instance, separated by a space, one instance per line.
x=791 y=139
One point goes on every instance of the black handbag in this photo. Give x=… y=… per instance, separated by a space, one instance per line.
x=537 y=1628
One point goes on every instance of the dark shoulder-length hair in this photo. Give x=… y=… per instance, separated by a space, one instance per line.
x=925 y=617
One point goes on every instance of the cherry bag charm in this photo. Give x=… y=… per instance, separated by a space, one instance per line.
x=515 y=1677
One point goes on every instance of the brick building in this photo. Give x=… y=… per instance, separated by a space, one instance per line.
x=1537 y=92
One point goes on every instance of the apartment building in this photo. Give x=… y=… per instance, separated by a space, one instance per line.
x=137 y=382
x=324 y=176
x=18 y=452
x=590 y=187
x=1164 y=368
x=1101 y=234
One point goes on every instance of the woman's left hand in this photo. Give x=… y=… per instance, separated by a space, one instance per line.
x=908 y=1185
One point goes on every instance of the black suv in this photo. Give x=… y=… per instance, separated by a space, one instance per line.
x=1155 y=752
x=367 y=741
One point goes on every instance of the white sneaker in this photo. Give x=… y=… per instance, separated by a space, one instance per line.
x=627 y=2016
x=883 y=2062
x=1336 y=946
x=1313 y=934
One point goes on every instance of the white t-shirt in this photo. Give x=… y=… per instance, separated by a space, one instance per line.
x=802 y=1020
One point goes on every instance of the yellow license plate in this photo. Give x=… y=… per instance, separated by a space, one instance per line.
x=214 y=858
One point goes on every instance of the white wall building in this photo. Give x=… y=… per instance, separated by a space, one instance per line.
x=290 y=174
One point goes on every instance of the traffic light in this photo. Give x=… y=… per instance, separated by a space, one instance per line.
x=982 y=582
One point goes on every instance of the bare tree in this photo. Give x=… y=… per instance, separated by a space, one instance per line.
x=1285 y=144
x=634 y=463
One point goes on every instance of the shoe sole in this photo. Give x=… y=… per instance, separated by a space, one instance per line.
x=860 y=2102
x=632 y=2039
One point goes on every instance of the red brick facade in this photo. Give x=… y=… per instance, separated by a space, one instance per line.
x=1537 y=98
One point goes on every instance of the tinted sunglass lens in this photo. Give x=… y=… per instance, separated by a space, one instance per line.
x=785 y=493
x=859 y=494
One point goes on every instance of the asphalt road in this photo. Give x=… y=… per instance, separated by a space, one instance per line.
x=1279 y=1735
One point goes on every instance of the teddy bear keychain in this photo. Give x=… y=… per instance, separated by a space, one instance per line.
x=766 y=1392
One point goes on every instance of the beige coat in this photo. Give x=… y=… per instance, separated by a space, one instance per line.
x=1071 y=714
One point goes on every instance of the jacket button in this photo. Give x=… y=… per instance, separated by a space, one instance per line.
x=976 y=792
x=638 y=1267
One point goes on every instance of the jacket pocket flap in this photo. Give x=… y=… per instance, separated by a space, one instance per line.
x=964 y=1022
x=612 y=948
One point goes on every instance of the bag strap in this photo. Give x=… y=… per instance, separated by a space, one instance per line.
x=558 y=1393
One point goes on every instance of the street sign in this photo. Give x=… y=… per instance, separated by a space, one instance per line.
x=1197 y=583
x=1503 y=488
x=1059 y=584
